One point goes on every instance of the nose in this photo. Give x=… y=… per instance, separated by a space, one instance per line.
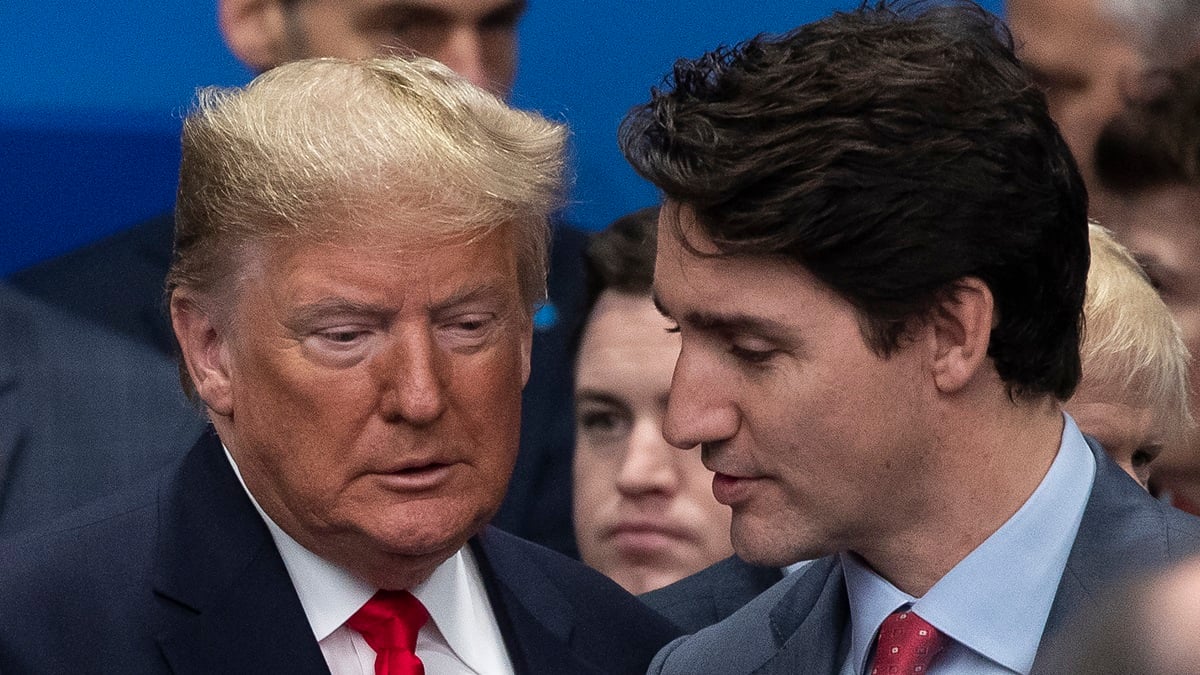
x=411 y=387
x=463 y=52
x=699 y=408
x=649 y=465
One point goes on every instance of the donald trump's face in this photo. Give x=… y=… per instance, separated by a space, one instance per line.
x=369 y=391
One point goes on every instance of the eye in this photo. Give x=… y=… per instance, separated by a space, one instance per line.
x=1144 y=455
x=601 y=424
x=468 y=331
x=342 y=335
x=754 y=351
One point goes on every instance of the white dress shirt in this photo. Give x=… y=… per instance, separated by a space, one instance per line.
x=461 y=637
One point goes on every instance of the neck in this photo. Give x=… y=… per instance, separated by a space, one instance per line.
x=988 y=462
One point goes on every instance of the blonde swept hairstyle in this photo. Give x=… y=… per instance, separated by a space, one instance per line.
x=1131 y=342
x=307 y=147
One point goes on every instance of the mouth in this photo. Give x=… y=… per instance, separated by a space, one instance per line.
x=640 y=539
x=731 y=490
x=417 y=478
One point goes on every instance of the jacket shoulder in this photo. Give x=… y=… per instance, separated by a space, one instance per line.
x=94 y=566
x=607 y=625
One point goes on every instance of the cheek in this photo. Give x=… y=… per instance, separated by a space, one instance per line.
x=595 y=471
x=592 y=494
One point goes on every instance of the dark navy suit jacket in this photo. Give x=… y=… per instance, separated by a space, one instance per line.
x=801 y=625
x=181 y=576
x=118 y=282
x=712 y=594
x=83 y=413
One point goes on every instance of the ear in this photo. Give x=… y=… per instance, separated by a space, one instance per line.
x=962 y=325
x=205 y=353
x=256 y=31
x=526 y=350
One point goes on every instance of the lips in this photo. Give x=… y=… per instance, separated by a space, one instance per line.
x=645 y=537
x=417 y=477
x=731 y=490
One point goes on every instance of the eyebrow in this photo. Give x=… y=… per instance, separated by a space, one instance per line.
x=488 y=291
x=733 y=322
x=417 y=9
x=598 y=396
x=334 y=306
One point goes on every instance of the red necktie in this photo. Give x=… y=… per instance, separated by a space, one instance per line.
x=907 y=644
x=389 y=622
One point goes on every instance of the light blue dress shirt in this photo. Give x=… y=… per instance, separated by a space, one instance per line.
x=994 y=603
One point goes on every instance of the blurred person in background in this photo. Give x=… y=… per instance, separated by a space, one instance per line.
x=1151 y=625
x=1148 y=158
x=1082 y=54
x=645 y=514
x=1133 y=397
x=1088 y=56
x=83 y=412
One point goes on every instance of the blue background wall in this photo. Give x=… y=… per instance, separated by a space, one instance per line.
x=91 y=95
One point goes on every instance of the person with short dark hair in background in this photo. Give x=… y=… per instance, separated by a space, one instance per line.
x=874 y=244
x=360 y=247
x=644 y=511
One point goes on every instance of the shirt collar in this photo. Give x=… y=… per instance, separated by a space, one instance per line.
x=996 y=600
x=453 y=594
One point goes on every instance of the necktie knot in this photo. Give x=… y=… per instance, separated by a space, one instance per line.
x=389 y=622
x=907 y=644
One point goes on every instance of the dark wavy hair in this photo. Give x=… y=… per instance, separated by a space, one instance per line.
x=892 y=151
x=619 y=258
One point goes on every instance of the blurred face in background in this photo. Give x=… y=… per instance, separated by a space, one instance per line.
x=1161 y=227
x=475 y=38
x=1127 y=428
x=645 y=514
x=1083 y=60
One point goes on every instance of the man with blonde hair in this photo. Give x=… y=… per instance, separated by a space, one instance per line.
x=359 y=249
x=1133 y=397
x=117 y=282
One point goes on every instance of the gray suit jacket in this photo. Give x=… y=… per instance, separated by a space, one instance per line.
x=801 y=624
x=82 y=412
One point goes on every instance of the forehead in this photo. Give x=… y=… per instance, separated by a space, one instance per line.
x=626 y=323
x=394 y=253
x=759 y=293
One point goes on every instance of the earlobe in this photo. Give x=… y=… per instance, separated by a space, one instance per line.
x=256 y=31
x=204 y=353
x=962 y=325
x=526 y=351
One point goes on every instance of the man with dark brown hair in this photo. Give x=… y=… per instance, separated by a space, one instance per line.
x=875 y=249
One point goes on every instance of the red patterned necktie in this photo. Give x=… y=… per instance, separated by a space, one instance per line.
x=907 y=644
x=389 y=622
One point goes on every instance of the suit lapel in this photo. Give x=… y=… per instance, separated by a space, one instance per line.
x=1120 y=531
x=217 y=566
x=536 y=620
x=809 y=623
